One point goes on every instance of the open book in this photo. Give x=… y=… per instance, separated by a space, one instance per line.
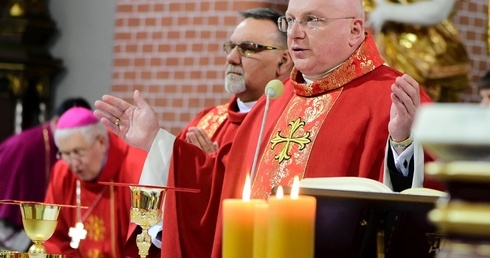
x=361 y=217
x=361 y=184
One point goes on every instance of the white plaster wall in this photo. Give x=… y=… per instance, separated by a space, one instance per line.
x=85 y=46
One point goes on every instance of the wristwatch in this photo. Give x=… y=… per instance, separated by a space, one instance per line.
x=403 y=144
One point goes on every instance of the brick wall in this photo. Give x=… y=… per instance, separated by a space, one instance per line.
x=171 y=50
x=471 y=19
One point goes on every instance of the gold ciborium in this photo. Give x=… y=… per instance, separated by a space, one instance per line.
x=39 y=223
x=146 y=211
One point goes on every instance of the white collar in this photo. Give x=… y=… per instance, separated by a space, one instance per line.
x=244 y=107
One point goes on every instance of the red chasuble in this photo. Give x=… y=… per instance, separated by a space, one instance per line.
x=337 y=126
x=107 y=218
x=221 y=124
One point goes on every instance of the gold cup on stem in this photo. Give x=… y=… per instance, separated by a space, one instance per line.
x=39 y=222
x=146 y=211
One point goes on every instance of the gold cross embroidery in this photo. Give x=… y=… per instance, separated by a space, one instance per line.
x=95 y=253
x=96 y=229
x=290 y=140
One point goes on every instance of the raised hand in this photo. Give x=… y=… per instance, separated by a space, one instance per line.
x=136 y=124
x=405 y=98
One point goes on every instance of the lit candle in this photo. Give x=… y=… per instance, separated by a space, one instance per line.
x=291 y=227
x=238 y=224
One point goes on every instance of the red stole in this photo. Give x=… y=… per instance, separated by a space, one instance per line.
x=213 y=119
x=220 y=123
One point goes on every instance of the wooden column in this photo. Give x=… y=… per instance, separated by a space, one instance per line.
x=26 y=67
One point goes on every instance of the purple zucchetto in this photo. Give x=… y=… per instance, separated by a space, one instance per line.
x=76 y=117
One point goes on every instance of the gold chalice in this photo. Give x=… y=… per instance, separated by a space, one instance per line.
x=146 y=211
x=39 y=223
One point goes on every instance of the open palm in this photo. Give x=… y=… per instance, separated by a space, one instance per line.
x=138 y=124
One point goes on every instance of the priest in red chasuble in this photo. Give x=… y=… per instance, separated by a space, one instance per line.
x=343 y=113
x=254 y=57
x=26 y=160
x=90 y=154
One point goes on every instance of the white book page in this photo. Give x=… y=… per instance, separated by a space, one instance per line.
x=424 y=192
x=359 y=184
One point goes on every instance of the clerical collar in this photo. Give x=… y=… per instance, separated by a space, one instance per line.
x=310 y=81
x=244 y=107
x=364 y=60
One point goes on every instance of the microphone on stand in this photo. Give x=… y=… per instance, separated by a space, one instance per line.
x=273 y=89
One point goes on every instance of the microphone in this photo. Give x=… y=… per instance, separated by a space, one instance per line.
x=273 y=89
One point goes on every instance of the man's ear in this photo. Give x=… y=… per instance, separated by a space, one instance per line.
x=284 y=65
x=357 y=32
x=103 y=140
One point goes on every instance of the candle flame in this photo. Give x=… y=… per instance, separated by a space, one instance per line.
x=247 y=189
x=295 y=189
x=279 y=192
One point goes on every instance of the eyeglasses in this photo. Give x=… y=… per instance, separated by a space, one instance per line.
x=247 y=48
x=285 y=24
x=76 y=153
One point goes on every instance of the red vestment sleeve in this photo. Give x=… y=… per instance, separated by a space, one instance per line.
x=59 y=243
x=191 y=215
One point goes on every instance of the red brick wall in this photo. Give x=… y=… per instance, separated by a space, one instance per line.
x=171 y=50
x=471 y=19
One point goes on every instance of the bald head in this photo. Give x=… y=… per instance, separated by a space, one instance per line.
x=349 y=7
x=338 y=32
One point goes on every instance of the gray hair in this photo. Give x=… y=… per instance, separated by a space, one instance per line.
x=90 y=132
x=263 y=13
